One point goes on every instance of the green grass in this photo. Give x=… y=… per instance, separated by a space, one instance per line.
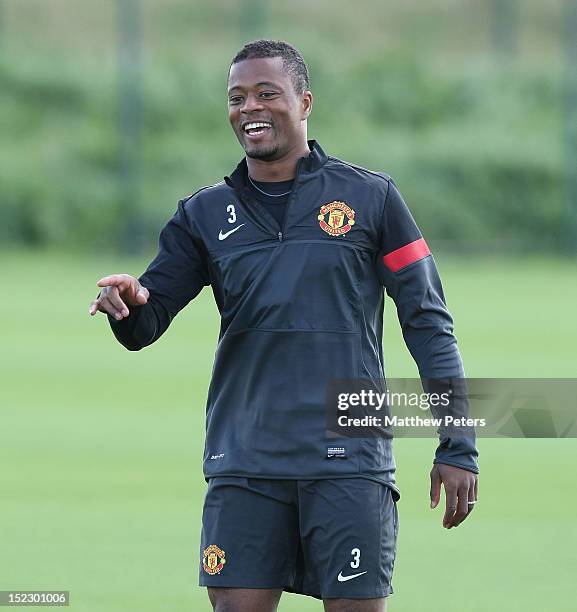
x=100 y=449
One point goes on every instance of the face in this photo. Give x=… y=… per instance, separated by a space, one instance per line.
x=264 y=110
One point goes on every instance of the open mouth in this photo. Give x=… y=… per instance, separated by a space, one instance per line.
x=256 y=128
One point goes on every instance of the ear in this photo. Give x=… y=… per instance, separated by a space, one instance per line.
x=306 y=104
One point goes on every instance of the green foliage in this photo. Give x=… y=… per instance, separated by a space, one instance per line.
x=476 y=152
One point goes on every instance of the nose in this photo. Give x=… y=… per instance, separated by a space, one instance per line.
x=251 y=104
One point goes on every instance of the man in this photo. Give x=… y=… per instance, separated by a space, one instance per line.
x=297 y=247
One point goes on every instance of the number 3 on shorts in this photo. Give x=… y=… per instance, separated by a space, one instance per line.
x=356 y=552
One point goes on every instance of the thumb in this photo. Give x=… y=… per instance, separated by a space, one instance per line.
x=142 y=295
x=435 y=488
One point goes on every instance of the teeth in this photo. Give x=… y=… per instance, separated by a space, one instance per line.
x=252 y=126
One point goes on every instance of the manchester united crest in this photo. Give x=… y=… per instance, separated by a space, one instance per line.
x=213 y=559
x=336 y=218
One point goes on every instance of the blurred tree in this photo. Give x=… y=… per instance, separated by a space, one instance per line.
x=478 y=145
x=254 y=19
x=570 y=106
x=505 y=27
x=130 y=121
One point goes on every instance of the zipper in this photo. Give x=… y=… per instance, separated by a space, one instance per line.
x=282 y=232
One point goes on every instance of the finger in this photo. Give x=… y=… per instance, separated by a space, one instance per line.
x=462 y=506
x=120 y=308
x=103 y=305
x=113 y=280
x=471 y=499
x=476 y=487
x=108 y=307
x=95 y=305
x=135 y=294
x=450 y=505
x=142 y=295
x=435 y=493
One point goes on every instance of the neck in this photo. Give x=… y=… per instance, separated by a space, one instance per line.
x=282 y=169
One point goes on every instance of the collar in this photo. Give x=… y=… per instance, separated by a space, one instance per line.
x=305 y=165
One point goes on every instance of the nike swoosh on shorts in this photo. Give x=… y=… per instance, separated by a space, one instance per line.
x=342 y=578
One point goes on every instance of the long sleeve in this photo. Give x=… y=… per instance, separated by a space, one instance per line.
x=175 y=276
x=409 y=274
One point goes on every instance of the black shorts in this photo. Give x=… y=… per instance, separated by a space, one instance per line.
x=325 y=538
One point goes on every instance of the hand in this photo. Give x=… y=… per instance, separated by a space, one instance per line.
x=460 y=489
x=119 y=290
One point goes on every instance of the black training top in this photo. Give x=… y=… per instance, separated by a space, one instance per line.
x=301 y=304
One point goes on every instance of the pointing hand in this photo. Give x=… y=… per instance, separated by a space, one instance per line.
x=119 y=291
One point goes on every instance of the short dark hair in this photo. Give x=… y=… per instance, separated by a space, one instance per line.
x=293 y=61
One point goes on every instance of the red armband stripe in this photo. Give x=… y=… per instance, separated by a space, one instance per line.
x=408 y=254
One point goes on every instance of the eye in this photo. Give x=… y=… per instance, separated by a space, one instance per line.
x=235 y=100
x=267 y=94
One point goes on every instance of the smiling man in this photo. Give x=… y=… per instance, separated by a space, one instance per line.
x=298 y=248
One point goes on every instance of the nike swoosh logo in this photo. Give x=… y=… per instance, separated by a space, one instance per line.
x=342 y=578
x=222 y=236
